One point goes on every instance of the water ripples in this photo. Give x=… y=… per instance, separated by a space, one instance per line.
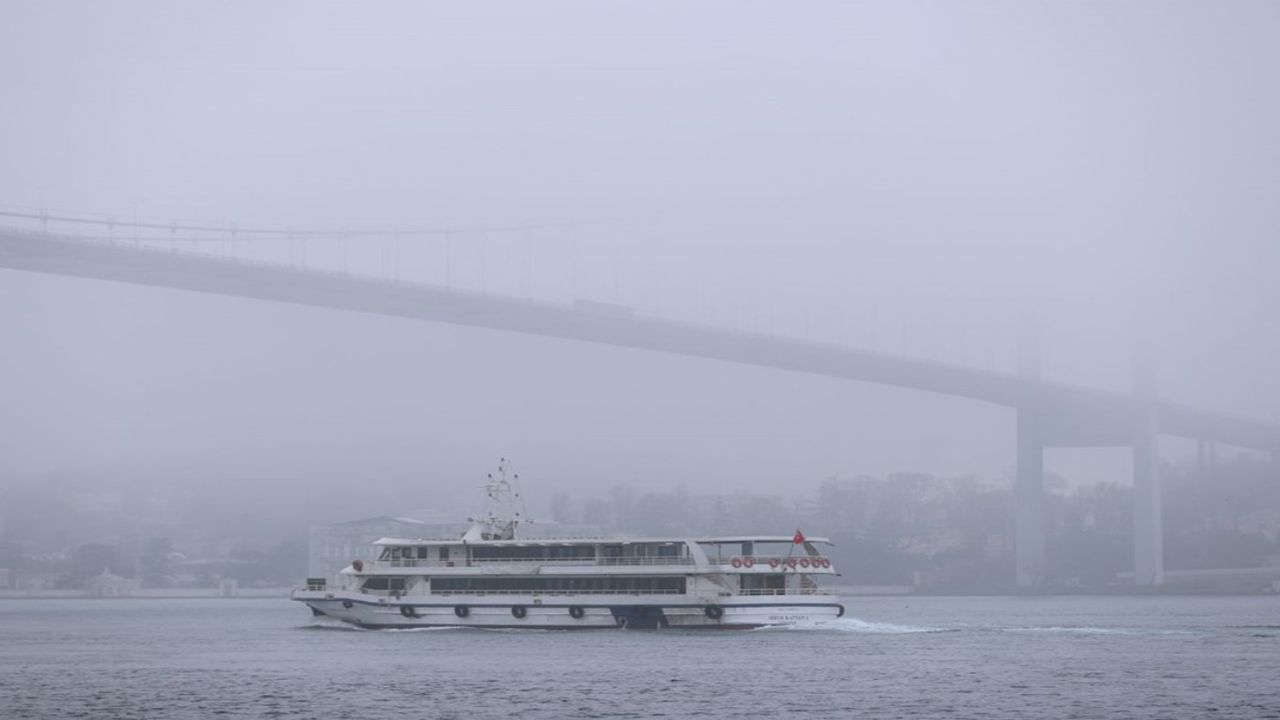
x=999 y=658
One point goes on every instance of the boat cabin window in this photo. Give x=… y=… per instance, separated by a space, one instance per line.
x=398 y=553
x=384 y=583
x=533 y=552
x=422 y=552
x=645 y=585
x=764 y=584
x=444 y=553
x=571 y=552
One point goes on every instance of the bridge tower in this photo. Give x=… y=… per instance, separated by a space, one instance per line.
x=1028 y=482
x=1028 y=499
x=1148 y=523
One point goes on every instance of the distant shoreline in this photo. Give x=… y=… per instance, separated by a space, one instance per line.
x=156 y=594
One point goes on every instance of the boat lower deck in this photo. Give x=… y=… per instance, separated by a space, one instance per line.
x=735 y=612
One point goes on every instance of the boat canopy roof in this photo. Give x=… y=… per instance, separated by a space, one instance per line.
x=733 y=540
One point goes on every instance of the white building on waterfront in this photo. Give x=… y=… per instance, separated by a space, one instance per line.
x=107 y=584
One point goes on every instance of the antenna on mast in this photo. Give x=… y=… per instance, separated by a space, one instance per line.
x=504 y=508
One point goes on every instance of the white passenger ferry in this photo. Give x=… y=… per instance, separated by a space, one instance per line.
x=492 y=578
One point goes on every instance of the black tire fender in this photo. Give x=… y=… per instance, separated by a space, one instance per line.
x=461 y=610
x=576 y=612
x=715 y=612
x=518 y=611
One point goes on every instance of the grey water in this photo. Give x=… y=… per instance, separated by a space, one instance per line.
x=1068 y=657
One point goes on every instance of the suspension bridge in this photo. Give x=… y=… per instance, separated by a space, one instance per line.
x=1048 y=414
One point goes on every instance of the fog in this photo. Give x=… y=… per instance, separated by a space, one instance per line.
x=912 y=178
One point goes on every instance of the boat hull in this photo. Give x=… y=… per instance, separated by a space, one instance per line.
x=568 y=613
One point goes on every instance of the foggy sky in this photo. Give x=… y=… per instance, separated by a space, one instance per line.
x=910 y=175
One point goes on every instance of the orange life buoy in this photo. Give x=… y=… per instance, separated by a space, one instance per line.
x=826 y=563
x=736 y=562
x=357 y=565
x=791 y=562
x=774 y=562
x=748 y=562
x=804 y=562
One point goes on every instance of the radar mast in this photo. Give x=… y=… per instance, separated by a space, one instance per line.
x=503 y=507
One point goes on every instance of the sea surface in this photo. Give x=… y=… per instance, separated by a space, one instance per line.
x=1035 y=657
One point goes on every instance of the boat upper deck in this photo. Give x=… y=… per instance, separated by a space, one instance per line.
x=736 y=554
x=592 y=541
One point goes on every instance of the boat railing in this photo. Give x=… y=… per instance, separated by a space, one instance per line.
x=556 y=593
x=743 y=562
x=582 y=561
x=775 y=562
x=792 y=591
x=415 y=563
x=593 y=561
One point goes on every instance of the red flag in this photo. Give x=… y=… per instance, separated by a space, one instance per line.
x=799 y=538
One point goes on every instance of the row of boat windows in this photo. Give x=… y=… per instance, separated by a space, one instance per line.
x=520 y=585
x=384 y=583
x=525 y=585
x=553 y=552
x=763 y=582
x=600 y=584
x=409 y=553
x=546 y=552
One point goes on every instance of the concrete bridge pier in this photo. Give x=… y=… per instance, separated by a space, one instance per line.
x=1028 y=500
x=1028 y=481
x=1206 y=462
x=1148 y=526
x=1148 y=530
x=1206 y=472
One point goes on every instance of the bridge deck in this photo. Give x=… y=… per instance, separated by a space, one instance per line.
x=1072 y=416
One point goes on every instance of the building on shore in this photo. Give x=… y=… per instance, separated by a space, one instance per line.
x=108 y=585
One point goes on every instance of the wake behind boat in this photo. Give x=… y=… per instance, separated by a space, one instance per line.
x=492 y=578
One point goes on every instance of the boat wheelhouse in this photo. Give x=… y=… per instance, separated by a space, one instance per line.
x=491 y=577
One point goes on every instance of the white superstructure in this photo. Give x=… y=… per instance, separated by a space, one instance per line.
x=490 y=577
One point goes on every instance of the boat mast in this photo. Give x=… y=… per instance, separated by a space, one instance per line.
x=503 y=508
